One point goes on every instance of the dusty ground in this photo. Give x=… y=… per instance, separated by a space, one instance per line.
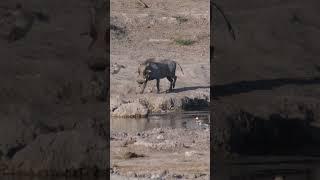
x=162 y=152
x=140 y=33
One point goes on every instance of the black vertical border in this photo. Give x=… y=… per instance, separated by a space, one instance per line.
x=107 y=39
x=212 y=166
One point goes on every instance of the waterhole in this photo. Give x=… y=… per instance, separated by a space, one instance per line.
x=190 y=120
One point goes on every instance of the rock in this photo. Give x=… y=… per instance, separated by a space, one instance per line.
x=160 y=137
x=131 y=110
x=190 y=153
x=131 y=174
x=155 y=176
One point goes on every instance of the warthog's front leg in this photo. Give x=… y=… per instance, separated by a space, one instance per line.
x=158 y=86
x=144 y=86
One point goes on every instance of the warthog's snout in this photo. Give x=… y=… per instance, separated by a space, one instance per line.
x=141 y=81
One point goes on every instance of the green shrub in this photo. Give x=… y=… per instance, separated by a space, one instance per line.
x=184 y=42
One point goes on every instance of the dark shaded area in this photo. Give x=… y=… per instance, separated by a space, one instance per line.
x=13 y=150
x=97 y=64
x=268 y=84
x=53 y=89
x=277 y=135
x=195 y=104
x=294 y=171
x=277 y=40
x=178 y=90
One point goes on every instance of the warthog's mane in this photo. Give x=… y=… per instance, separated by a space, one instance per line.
x=153 y=60
x=150 y=60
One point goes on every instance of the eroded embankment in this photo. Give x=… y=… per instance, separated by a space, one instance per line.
x=142 y=105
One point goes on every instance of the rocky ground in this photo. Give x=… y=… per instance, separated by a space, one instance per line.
x=162 y=153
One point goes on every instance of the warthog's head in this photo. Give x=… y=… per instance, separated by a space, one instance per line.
x=143 y=73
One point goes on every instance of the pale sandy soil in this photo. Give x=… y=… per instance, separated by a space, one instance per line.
x=165 y=152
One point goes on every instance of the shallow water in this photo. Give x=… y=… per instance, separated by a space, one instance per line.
x=173 y=120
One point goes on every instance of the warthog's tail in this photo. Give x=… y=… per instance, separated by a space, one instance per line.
x=180 y=68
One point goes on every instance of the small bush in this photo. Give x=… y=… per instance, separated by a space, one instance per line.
x=181 y=19
x=184 y=42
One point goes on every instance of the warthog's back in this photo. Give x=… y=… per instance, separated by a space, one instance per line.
x=161 y=69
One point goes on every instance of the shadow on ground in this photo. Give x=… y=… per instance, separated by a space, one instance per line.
x=178 y=90
x=268 y=84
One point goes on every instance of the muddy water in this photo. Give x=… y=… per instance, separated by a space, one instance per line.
x=173 y=120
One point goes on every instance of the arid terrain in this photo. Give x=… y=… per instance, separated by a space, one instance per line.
x=176 y=30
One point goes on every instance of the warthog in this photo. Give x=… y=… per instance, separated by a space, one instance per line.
x=156 y=70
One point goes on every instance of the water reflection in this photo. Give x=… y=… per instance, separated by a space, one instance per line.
x=174 y=120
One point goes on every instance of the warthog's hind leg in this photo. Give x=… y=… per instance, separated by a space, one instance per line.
x=158 y=86
x=174 y=81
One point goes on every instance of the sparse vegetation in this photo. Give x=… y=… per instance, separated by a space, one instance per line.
x=118 y=31
x=181 y=19
x=184 y=42
x=140 y=2
x=130 y=155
